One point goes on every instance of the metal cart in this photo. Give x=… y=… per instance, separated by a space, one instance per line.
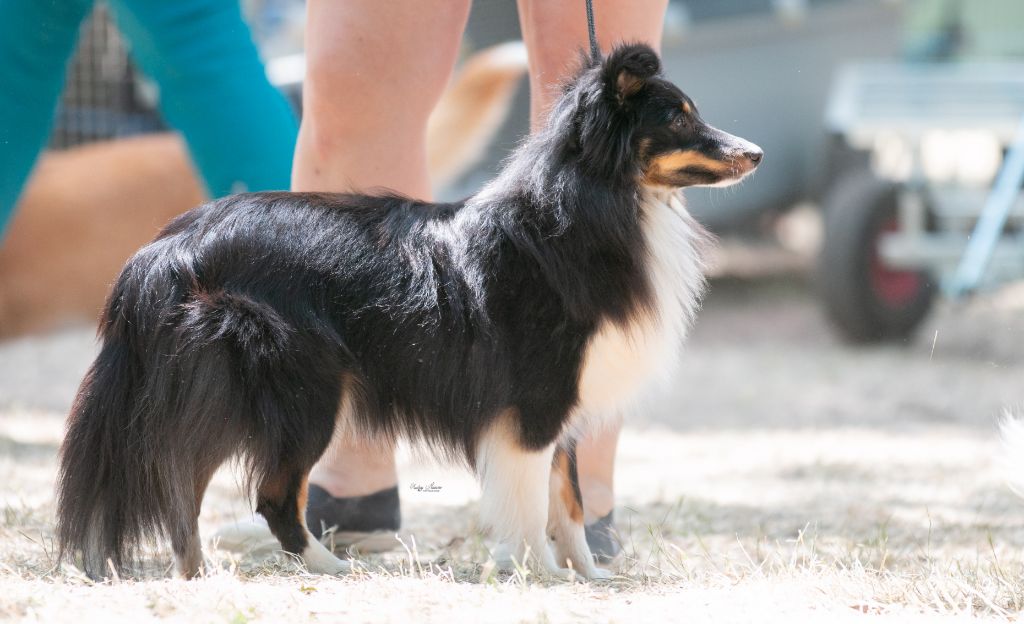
x=936 y=205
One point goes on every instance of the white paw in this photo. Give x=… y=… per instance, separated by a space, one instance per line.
x=319 y=560
x=246 y=537
x=599 y=574
x=502 y=555
x=333 y=568
x=565 y=574
x=592 y=574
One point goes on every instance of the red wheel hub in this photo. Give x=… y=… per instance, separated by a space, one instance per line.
x=895 y=288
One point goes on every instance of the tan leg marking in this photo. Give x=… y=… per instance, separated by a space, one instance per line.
x=565 y=522
x=316 y=556
x=303 y=500
x=567 y=492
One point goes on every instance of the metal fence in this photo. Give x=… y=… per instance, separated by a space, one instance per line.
x=101 y=97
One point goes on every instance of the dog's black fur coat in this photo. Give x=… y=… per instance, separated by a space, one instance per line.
x=236 y=332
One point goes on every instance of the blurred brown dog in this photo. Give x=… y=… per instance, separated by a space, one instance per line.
x=86 y=210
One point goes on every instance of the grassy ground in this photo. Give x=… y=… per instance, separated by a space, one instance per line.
x=785 y=478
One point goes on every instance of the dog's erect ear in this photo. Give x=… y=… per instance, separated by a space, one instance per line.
x=627 y=68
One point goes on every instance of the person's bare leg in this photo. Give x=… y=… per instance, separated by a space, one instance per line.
x=595 y=461
x=555 y=32
x=375 y=70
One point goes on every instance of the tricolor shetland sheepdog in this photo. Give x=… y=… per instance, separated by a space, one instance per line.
x=491 y=329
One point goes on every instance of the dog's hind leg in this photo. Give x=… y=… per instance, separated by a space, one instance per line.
x=188 y=553
x=281 y=499
x=565 y=515
x=514 y=499
x=185 y=542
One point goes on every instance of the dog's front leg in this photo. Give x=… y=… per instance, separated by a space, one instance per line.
x=565 y=516
x=514 y=500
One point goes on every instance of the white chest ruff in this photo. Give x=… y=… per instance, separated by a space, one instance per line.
x=623 y=362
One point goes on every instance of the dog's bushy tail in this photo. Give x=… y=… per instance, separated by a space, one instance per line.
x=184 y=380
x=105 y=491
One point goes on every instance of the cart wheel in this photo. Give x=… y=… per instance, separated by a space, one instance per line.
x=867 y=301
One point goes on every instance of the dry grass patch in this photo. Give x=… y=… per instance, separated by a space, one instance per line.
x=831 y=525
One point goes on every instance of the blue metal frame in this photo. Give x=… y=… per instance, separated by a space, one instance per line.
x=989 y=227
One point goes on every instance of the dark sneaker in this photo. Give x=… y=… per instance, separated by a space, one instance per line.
x=364 y=523
x=603 y=539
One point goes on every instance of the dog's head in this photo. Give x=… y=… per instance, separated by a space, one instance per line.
x=626 y=110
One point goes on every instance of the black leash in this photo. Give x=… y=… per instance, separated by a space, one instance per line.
x=595 y=51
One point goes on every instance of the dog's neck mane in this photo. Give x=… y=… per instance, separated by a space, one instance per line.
x=626 y=257
x=594 y=238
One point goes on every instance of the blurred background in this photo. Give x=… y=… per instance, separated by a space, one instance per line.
x=868 y=271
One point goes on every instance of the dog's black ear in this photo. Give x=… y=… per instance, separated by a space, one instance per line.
x=628 y=68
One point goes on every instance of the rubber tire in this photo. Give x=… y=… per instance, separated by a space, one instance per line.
x=856 y=208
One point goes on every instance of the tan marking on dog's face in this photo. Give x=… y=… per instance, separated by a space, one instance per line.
x=686 y=158
x=687 y=108
x=662 y=168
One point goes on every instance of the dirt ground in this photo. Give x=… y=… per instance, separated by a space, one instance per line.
x=784 y=477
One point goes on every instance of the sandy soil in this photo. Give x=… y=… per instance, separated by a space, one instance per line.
x=783 y=476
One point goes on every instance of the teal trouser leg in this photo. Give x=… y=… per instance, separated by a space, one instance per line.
x=37 y=38
x=240 y=130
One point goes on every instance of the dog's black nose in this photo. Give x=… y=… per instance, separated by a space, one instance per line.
x=755 y=156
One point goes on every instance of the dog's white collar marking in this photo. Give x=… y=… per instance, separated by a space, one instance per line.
x=622 y=362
